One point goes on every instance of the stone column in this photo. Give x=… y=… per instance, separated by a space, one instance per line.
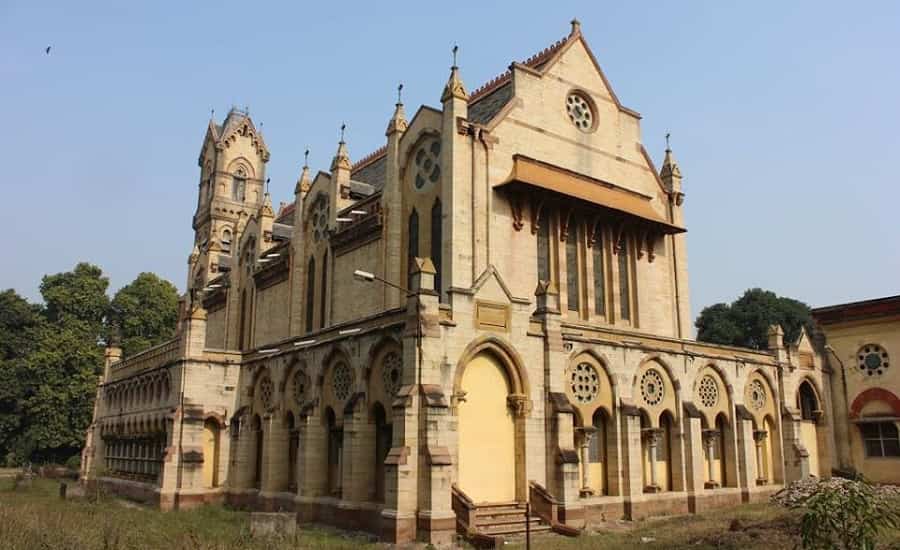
x=275 y=467
x=632 y=455
x=587 y=433
x=762 y=475
x=653 y=437
x=709 y=441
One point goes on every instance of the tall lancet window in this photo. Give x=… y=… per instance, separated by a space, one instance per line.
x=413 y=244
x=543 y=251
x=324 y=296
x=599 y=275
x=310 y=292
x=239 y=185
x=624 y=281
x=572 y=279
x=436 y=243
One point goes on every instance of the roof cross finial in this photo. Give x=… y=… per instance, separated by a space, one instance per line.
x=343 y=127
x=266 y=190
x=667 y=142
x=400 y=94
x=212 y=113
x=455 y=50
x=306 y=158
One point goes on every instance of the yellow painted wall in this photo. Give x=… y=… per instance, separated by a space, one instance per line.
x=487 y=460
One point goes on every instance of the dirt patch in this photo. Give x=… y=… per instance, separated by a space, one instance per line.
x=781 y=532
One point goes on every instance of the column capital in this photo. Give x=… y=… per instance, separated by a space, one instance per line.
x=760 y=435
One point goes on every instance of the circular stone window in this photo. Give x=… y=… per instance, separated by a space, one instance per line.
x=585 y=382
x=873 y=359
x=320 y=218
x=341 y=381
x=708 y=391
x=580 y=112
x=390 y=373
x=428 y=164
x=299 y=386
x=757 y=395
x=652 y=389
x=266 y=390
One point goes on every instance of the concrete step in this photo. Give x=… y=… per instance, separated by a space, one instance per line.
x=516 y=530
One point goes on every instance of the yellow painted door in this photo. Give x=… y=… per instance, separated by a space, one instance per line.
x=809 y=440
x=209 y=455
x=487 y=456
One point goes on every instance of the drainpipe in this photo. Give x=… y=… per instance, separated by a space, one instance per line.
x=846 y=403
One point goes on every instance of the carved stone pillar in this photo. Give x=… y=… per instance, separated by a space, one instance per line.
x=710 y=437
x=759 y=437
x=587 y=433
x=653 y=436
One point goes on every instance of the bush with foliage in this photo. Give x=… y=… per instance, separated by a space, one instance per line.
x=746 y=321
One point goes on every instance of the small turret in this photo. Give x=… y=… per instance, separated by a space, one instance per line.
x=340 y=175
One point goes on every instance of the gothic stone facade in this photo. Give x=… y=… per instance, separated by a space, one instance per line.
x=520 y=331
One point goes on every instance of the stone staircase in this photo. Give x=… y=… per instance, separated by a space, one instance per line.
x=490 y=525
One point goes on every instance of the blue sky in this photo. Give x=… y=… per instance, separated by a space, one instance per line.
x=784 y=117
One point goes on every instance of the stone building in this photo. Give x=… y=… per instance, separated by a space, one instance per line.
x=490 y=309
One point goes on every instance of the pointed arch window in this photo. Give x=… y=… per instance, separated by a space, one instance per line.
x=413 y=250
x=624 y=280
x=573 y=291
x=226 y=240
x=599 y=275
x=239 y=185
x=324 y=295
x=543 y=251
x=436 y=243
x=310 y=292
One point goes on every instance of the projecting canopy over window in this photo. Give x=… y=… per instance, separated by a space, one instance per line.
x=592 y=193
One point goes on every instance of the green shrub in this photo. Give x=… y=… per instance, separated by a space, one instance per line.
x=848 y=516
x=74 y=462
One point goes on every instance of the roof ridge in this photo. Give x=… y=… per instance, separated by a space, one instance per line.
x=369 y=159
x=536 y=59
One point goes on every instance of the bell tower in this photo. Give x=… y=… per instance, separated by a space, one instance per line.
x=232 y=178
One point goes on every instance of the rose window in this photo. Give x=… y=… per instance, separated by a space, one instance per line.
x=390 y=374
x=757 y=395
x=652 y=389
x=873 y=359
x=341 y=381
x=428 y=164
x=708 y=391
x=580 y=112
x=299 y=386
x=585 y=383
x=266 y=389
x=320 y=218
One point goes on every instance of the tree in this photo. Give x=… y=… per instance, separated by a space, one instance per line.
x=79 y=295
x=144 y=313
x=746 y=321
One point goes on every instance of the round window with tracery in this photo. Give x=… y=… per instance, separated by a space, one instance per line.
x=390 y=373
x=320 y=217
x=708 y=391
x=300 y=385
x=584 y=382
x=266 y=390
x=873 y=359
x=341 y=380
x=428 y=164
x=757 y=395
x=652 y=389
x=580 y=112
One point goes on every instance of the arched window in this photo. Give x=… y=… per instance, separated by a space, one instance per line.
x=572 y=280
x=597 y=452
x=310 y=292
x=436 y=243
x=543 y=251
x=324 y=296
x=807 y=402
x=624 y=281
x=239 y=185
x=413 y=245
x=226 y=240
x=599 y=276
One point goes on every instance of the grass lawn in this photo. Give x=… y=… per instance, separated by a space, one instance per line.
x=36 y=518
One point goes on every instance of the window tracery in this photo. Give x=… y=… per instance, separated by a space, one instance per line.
x=757 y=395
x=391 y=373
x=580 y=111
x=652 y=389
x=341 y=380
x=873 y=359
x=708 y=390
x=300 y=384
x=584 y=382
x=266 y=391
x=428 y=164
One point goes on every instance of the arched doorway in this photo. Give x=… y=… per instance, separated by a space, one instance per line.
x=335 y=453
x=293 y=443
x=210 y=453
x=808 y=404
x=487 y=454
x=383 y=436
x=597 y=456
x=257 y=451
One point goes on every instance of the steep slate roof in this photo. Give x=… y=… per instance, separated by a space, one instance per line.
x=286 y=215
x=371 y=168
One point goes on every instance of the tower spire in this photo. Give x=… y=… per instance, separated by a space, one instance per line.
x=454 y=87
x=342 y=157
x=303 y=182
x=398 y=120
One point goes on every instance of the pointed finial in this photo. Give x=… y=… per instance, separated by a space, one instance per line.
x=266 y=190
x=212 y=114
x=400 y=94
x=668 y=150
x=576 y=26
x=343 y=127
x=306 y=158
x=455 y=50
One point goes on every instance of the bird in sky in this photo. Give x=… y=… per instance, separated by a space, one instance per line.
x=47 y=51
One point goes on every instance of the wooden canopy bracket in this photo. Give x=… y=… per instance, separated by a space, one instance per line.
x=537 y=209
x=595 y=228
x=565 y=217
x=516 y=203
